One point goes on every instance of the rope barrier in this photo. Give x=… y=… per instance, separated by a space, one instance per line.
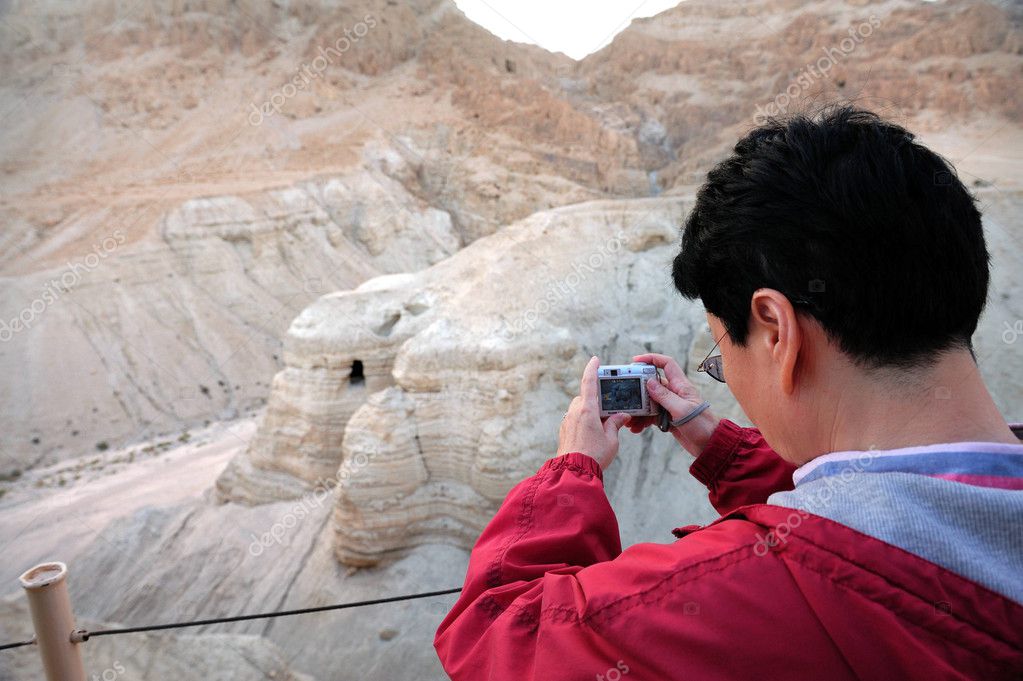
x=8 y=646
x=83 y=635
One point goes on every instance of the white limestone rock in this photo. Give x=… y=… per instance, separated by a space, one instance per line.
x=163 y=335
x=468 y=367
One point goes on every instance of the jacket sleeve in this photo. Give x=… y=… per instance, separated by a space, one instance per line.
x=739 y=468
x=523 y=583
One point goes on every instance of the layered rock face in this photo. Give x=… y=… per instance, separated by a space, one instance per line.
x=333 y=364
x=467 y=368
x=745 y=61
x=181 y=329
x=163 y=226
x=173 y=197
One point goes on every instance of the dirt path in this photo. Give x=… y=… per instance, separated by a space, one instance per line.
x=43 y=520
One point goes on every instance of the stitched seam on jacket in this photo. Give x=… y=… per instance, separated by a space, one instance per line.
x=900 y=588
x=725 y=462
x=921 y=625
x=574 y=467
x=616 y=607
x=525 y=523
x=826 y=632
x=569 y=614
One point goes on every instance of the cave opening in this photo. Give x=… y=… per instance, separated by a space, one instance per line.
x=356 y=377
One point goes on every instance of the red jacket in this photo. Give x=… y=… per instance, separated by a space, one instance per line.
x=550 y=594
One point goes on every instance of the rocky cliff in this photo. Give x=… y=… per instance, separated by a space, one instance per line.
x=463 y=373
x=182 y=179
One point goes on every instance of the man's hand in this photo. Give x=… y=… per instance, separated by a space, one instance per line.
x=582 y=430
x=679 y=397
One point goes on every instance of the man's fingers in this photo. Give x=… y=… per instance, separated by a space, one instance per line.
x=672 y=370
x=637 y=424
x=588 y=387
x=654 y=358
x=660 y=394
x=614 y=422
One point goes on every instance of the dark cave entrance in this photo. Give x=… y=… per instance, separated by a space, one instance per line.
x=356 y=377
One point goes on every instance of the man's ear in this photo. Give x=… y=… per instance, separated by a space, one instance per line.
x=774 y=319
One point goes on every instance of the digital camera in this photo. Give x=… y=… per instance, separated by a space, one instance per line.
x=623 y=389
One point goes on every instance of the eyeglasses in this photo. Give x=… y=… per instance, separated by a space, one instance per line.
x=715 y=366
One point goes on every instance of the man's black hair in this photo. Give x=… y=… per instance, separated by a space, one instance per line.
x=846 y=212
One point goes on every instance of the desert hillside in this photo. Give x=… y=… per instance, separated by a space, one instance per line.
x=180 y=180
x=248 y=247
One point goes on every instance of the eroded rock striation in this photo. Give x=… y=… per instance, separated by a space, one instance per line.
x=424 y=397
x=171 y=132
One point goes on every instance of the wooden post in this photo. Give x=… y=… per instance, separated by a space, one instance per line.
x=46 y=586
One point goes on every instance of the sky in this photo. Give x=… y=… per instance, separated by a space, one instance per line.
x=575 y=27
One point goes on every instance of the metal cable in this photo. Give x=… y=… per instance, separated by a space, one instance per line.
x=8 y=646
x=83 y=635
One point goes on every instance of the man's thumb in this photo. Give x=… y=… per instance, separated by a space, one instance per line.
x=614 y=422
x=660 y=394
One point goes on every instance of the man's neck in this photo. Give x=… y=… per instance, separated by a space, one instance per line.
x=945 y=403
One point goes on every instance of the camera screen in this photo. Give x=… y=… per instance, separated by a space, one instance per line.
x=620 y=394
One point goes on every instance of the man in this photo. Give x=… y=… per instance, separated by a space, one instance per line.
x=843 y=269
